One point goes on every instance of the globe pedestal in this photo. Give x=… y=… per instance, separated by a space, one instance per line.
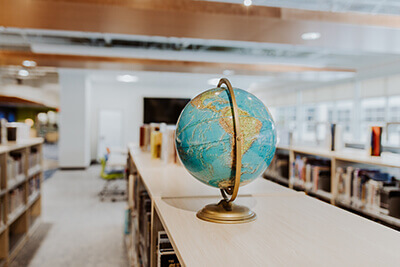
x=226 y=212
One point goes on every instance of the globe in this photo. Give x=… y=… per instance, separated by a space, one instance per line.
x=205 y=137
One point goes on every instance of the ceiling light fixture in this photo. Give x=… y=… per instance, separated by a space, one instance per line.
x=311 y=36
x=228 y=72
x=247 y=2
x=29 y=63
x=127 y=78
x=23 y=73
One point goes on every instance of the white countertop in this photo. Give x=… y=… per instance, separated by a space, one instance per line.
x=294 y=230
x=291 y=229
x=172 y=180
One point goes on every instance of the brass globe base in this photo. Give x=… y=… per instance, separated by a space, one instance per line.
x=226 y=212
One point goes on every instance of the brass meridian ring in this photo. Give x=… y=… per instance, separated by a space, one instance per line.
x=238 y=141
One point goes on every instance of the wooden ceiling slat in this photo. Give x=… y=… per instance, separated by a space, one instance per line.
x=16 y=101
x=113 y=63
x=180 y=18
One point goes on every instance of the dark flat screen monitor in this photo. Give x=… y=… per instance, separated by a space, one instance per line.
x=163 y=109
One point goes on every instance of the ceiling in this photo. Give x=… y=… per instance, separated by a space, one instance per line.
x=363 y=6
x=185 y=49
x=259 y=47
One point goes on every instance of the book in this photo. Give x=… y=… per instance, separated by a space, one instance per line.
x=168 y=144
x=165 y=252
x=376 y=141
x=348 y=182
x=16 y=199
x=155 y=144
x=307 y=172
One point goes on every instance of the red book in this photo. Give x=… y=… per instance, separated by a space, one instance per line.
x=376 y=141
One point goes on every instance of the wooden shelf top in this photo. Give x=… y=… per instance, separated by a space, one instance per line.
x=294 y=230
x=172 y=180
x=387 y=159
x=10 y=146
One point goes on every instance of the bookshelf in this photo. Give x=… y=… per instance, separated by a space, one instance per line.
x=151 y=178
x=21 y=179
x=337 y=160
x=164 y=197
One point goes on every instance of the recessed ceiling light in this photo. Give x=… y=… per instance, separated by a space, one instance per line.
x=228 y=72
x=247 y=2
x=29 y=63
x=23 y=73
x=311 y=35
x=213 y=81
x=127 y=78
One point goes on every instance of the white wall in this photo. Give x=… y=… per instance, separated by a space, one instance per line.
x=127 y=97
x=85 y=93
x=74 y=144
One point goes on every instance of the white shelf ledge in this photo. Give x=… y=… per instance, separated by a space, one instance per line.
x=11 y=183
x=34 y=170
x=16 y=214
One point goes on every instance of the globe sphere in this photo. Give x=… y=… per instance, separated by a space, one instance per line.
x=205 y=137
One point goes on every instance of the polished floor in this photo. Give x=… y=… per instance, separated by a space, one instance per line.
x=77 y=228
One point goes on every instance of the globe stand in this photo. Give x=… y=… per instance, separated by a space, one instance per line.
x=226 y=211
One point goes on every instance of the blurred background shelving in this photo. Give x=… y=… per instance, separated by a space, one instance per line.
x=20 y=200
x=349 y=178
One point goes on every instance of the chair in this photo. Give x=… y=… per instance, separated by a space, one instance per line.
x=112 y=177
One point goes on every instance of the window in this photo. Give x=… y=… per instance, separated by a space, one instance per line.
x=344 y=114
x=309 y=125
x=372 y=114
x=286 y=118
x=393 y=127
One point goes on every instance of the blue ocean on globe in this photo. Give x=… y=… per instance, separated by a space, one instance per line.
x=205 y=137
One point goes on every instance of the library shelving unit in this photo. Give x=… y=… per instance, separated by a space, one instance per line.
x=283 y=171
x=20 y=195
x=164 y=198
x=150 y=179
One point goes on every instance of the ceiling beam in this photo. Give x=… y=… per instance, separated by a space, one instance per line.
x=390 y=21
x=17 y=101
x=221 y=8
x=135 y=64
x=204 y=20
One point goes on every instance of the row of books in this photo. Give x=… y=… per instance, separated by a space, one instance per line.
x=34 y=185
x=159 y=139
x=16 y=199
x=166 y=256
x=144 y=223
x=367 y=189
x=15 y=165
x=34 y=158
x=279 y=166
x=312 y=173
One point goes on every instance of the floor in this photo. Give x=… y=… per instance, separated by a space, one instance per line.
x=77 y=228
x=50 y=159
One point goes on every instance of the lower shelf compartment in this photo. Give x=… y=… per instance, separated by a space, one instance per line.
x=14 y=242
x=389 y=220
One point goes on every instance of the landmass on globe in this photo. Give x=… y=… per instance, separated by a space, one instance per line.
x=205 y=137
